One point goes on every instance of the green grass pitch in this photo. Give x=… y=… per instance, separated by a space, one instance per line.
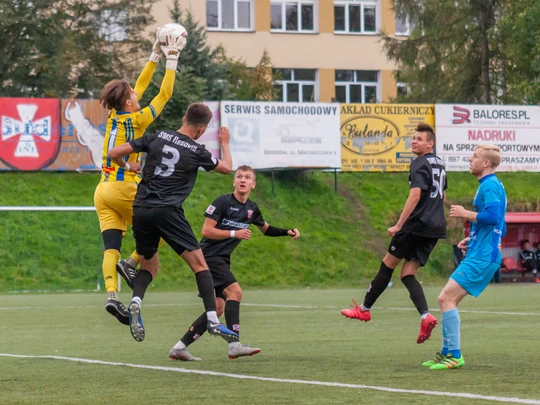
x=302 y=336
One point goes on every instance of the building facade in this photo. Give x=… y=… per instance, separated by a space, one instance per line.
x=326 y=50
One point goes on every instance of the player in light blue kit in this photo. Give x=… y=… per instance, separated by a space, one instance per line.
x=483 y=256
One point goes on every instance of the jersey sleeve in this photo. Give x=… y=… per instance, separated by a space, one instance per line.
x=144 y=79
x=215 y=210
x=492 y=196
x=257 y=217
x=206 y=160
x=445 y=180
x=420 y=175
x=148 y=114
x=141 y=144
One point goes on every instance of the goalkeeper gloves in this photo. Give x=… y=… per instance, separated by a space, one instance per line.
x=172 y=51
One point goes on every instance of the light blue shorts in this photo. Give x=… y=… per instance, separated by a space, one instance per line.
x=474 y=275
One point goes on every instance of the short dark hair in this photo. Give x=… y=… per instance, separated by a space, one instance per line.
x=115 y=94
x=198 y=115
x=246 y=168
x=428 y=129
x=523 y=242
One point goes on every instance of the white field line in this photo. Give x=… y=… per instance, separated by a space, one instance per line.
x=247 y=304
x=286 y=380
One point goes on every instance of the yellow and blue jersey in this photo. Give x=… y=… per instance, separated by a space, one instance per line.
x=123 y=127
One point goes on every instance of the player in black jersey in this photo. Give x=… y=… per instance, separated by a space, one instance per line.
x=421 y=224
x=537 y=258
x=527 y=259
x=172 y=163
x=227 y=221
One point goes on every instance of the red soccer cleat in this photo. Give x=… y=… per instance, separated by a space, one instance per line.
x=426 y=326
x=355 y=312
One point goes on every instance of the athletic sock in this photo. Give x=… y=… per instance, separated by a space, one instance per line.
x=378 y=285
x=141 y=282
x=194 y=332
x=232 y=315
x=416 y=293
x=444 y=350
x=205 y=283
x=108 y=266
x=451 y=322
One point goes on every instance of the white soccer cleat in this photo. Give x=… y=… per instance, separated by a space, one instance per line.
x=182 y=355
x=237 y=349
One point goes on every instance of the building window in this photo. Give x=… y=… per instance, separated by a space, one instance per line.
x=404 y=26
x=357 y=86
x=296 y=84
x=292 y=16
x=229 y=15
x=355 y=16
x=113 y=25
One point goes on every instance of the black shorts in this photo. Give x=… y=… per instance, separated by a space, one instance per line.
x=220 y=268
x=169 y=223
x=411 y=247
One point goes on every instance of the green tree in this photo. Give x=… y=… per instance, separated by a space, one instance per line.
x=520 y=43
x=208 y=74
x=69 y=48
x=452 y=54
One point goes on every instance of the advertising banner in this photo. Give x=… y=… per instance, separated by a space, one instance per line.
x=210 y=137
x=30 y=130
x=83 y=128
x=377 y=137
x=268 y=135
x=515 y=129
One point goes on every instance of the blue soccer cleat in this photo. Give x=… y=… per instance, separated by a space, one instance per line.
x=217 y=329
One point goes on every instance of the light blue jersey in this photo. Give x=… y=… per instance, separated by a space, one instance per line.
x=485 y=242
x=483 y=257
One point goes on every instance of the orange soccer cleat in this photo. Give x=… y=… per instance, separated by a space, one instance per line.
x=426 y=326
x=356 y=312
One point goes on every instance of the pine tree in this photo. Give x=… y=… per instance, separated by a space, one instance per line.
x=58 y=48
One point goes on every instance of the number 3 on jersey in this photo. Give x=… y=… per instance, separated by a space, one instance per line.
x=439 y=176
x=168 y=163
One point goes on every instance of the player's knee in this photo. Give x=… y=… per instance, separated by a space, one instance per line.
x=112 y=239
x=234 y=292
x=443 y=298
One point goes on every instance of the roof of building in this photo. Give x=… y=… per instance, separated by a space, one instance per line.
x=522 y=218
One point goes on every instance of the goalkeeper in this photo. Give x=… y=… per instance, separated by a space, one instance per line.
x=116 y=190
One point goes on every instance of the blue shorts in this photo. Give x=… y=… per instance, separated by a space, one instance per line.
x=474 y=275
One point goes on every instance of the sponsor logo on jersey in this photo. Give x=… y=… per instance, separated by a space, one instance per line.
x=234 y=224
x=234 y=209
x=210 y=210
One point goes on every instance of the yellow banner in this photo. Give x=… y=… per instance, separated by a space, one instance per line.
x=377 y=137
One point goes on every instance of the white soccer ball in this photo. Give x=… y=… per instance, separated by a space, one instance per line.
x=170 y=32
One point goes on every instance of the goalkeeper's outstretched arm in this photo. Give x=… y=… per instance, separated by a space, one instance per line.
x=146 y=75
x=171 y=52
